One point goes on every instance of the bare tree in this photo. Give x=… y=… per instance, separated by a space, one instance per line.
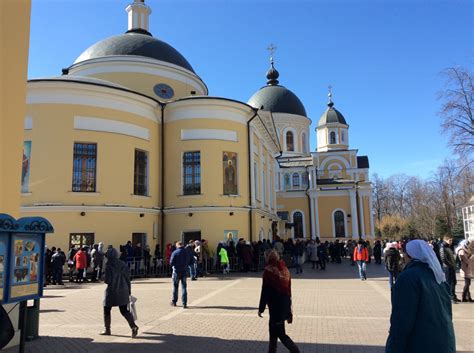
x=426 y=206
x=457 y=110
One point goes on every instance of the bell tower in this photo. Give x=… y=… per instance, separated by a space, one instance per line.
x=332 y=131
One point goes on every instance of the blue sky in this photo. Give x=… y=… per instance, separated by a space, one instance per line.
x=382 y=57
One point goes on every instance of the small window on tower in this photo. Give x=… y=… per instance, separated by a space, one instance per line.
x=343 y=136
x=289 y=142
x=332 y=138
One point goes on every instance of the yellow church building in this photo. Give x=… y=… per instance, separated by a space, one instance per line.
x=127 y=145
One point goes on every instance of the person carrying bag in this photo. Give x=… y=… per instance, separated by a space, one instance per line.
x=118 y=292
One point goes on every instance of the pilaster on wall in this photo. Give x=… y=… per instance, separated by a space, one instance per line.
x=361 y=216
x=355 y=217
x=371 y=217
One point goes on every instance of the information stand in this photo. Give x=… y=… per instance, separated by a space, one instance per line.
x=22 y=251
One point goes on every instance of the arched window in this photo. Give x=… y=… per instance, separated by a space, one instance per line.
x=286 y=181
x=290 y=146
x=339 y=224
x=305 y=179
x=298 y=224
x=332 y=138
x=343 y=136
x=296 y=180
x=303 y=142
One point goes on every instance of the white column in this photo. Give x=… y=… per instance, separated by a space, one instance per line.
x=355 y=225
x=316 y=216
x=371 y=216
x=362 y=219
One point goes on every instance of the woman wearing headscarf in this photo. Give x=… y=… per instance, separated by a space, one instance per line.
x=421 y=319
x=276 y=293
x=465 y=252
x=119 y=288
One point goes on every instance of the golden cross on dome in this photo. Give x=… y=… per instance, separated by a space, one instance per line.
x=271 y=49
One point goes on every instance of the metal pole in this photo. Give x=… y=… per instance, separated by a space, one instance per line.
x=22 y=326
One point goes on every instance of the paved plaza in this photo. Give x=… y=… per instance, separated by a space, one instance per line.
x=334 y=313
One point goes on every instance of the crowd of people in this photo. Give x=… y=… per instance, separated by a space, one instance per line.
x=417 y=269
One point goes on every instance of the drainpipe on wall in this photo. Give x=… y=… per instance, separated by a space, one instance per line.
x=162 y=176
x=309 y=206
x=250 y=175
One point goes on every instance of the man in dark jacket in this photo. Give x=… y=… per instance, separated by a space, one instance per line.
x=449 y=265
x=180 y=260
x=392 y=263
x=298 y=252
x=48 y=265
x=421 y=319
x=57 y=261
x=192 y=260
x=378 y=252
x=322 y=253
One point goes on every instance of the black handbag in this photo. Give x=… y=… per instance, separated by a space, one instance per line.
x=6 y=328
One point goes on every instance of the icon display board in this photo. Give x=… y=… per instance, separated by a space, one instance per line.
x=22 y=251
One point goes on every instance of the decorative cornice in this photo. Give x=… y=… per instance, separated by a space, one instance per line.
x=80 y=208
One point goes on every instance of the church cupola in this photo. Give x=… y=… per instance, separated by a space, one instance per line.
x=332 y=131
x=138 y=14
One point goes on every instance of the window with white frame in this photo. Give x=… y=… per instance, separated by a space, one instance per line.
x=296 y=180
x=290 y=143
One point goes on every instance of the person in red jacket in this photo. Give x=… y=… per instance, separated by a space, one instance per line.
x=361 y=256
x=81 y=264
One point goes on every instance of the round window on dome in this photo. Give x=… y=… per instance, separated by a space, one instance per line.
x=163 y=90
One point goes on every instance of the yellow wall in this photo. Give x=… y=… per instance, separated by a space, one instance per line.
x=211 y=224
x=367 y=215
x=111 y=228
x=144 y=83
x=291 y=204
x=211 y=164
x=261 y=225
x=14 y=44
x=53 y=136
x=326 y=206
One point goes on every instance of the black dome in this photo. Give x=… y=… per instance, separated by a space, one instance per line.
x=135 y=44
x=277 y=99
x=331 y=115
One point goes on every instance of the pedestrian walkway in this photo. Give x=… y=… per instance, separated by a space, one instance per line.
x=335 y=312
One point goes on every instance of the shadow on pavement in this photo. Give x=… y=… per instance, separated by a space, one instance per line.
x=45 y=311
x=150 y=342
x=225 y=307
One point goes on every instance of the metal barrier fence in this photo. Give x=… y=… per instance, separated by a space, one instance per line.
x=139 y=268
